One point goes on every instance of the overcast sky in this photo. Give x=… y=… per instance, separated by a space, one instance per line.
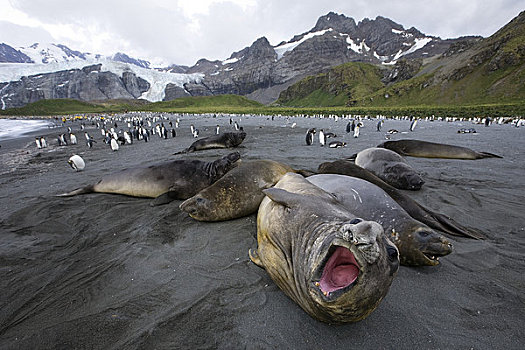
x=183 y=31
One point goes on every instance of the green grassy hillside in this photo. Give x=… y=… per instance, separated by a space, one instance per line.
x=222 y=103
x=347 y=82
x=204 y=103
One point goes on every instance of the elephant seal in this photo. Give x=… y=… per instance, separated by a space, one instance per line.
x=418 y=244
x=178 y=179
x=417 y=211
x=336 y=266
x=236 y=194
x=425 y=149
x=224 y=140
x=390 y=167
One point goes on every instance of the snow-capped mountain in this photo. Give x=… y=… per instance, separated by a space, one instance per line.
x=260 y=71
x=43 y=71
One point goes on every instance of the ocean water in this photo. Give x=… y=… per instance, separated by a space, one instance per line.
x=13 y=128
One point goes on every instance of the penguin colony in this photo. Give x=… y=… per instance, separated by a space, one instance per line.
x=125 y=130
x=120 y=131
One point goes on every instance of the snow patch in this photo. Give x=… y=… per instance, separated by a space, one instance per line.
x=419 y=44
x=231 y=60
x=359 y=48
x=47 y=53
x=381 y=58
x=282 y=49
x=395 y=31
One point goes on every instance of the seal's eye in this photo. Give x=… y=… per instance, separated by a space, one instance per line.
x=355 y=221
x=424 y=233
x=199 y=200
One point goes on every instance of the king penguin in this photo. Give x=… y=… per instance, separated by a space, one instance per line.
x=77 y=163
x=413 y=124
x=310 y=136
x=114 y=144
x=322 y=138
x=73 y=139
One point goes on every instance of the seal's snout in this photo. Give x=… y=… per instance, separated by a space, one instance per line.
x=233 y=157
x=194 y=206
x=415 y=182
x=432 y=246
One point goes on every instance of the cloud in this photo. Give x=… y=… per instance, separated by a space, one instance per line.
x=183 y=31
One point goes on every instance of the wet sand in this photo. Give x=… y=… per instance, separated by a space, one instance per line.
x=103 y=271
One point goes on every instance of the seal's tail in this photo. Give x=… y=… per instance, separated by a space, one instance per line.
x=305 y=172
x=489 y=155
x=83 y=190
x=352 y=157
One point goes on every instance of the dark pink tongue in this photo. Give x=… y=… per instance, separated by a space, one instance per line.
x=340 y=270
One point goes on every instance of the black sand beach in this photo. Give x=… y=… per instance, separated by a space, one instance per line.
x=103 y=271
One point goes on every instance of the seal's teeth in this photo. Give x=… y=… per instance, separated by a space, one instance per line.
x=317 y=284
x=326 y=294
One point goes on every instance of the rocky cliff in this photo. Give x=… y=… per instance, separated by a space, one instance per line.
x=86 y=84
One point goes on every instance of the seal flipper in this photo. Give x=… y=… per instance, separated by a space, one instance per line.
x=282 y=197
x=305 y=172
x=352 y=157
x=254 y=257
x=448 y=225
x=165 y=198
x=488 y=155
x=83 y=190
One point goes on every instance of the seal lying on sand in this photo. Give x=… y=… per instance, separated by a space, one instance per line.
x=425 y=149
x=390 y=167
x=225 y=140
x=417 y=211
x=178 y=179
x=236 y=194
x=418 y=244
x=337 y=267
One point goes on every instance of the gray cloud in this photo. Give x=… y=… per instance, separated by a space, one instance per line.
x=163 y=29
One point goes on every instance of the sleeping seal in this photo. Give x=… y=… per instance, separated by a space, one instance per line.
x=418 y=244
x=178 y=179
x=390 y=167
x=225 y=140
x=417 y=211
x=336 y=266
x=236 y=194
x=425 y=149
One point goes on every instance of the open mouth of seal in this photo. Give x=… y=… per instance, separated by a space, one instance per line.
x=338 y=272
x=434 y=248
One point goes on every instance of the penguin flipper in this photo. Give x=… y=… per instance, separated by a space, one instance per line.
x=164 y=198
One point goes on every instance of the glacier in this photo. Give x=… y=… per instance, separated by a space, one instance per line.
x=157 y=80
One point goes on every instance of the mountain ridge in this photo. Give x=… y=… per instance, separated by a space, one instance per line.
x=488 y=70
x=260 y=71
